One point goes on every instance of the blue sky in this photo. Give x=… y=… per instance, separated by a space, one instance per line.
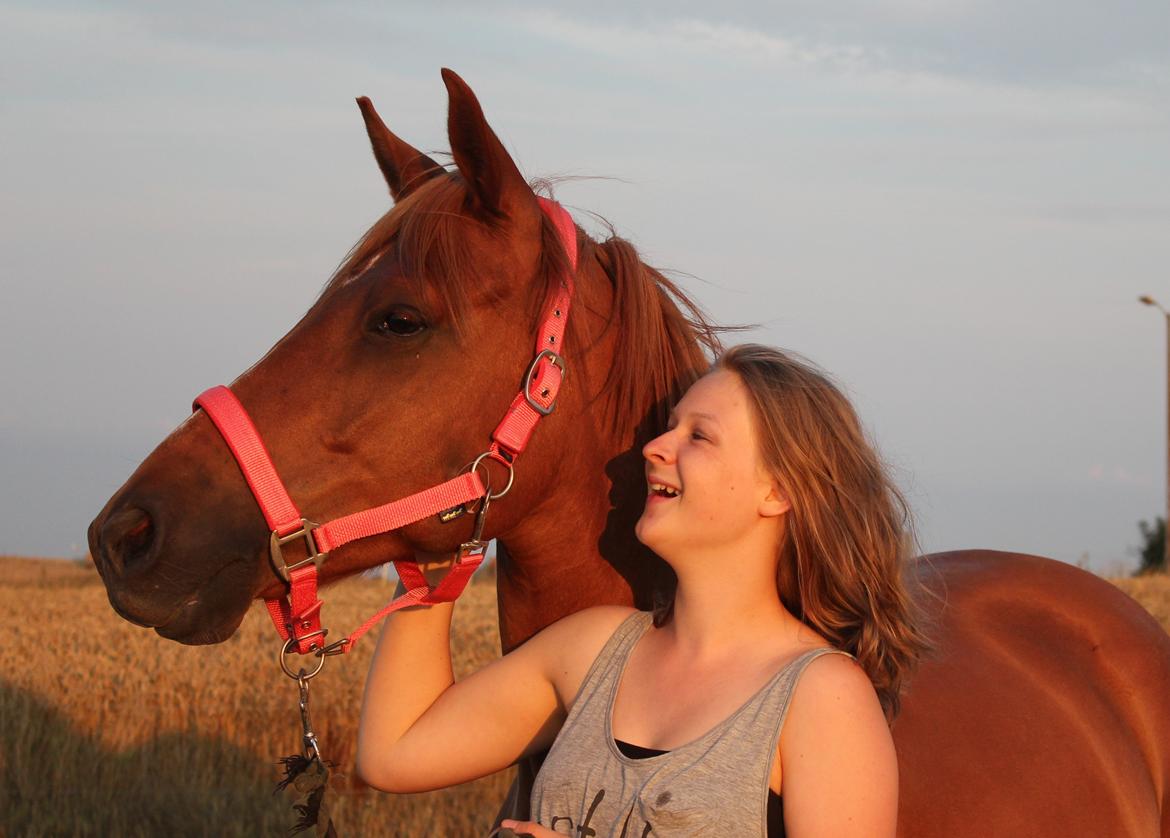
x=951 y=206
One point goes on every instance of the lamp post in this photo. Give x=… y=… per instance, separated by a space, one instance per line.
x=1150 y=301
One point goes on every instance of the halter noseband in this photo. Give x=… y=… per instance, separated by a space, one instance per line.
x=298 y=616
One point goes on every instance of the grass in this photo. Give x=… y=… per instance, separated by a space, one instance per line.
x=109 y=730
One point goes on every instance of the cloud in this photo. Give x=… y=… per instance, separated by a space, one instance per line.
x=904 y=88
x=680 y=41
x=687 y=37
x=1023 y=41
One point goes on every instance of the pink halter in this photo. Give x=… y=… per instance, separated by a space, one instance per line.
x=297 y=617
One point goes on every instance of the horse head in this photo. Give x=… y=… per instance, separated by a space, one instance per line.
x=393 y=382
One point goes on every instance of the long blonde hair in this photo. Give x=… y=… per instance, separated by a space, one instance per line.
x=844 y=566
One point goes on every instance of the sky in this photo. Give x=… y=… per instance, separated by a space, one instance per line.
x=952 y=206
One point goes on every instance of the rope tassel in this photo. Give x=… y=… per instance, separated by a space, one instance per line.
x=307 y=781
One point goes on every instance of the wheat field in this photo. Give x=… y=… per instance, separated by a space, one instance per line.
x=106 y=729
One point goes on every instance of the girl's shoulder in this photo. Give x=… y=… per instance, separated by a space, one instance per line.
x=833 y=685
x=837 y=752
x=584 y=633
x=573 y=643
x=835 y=702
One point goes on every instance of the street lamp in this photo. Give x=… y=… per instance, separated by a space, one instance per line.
x=1150 y=301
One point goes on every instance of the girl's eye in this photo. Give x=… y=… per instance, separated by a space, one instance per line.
x=401 y=322
x=697 y=435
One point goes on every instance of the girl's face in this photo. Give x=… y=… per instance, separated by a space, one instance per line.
x=706 y=485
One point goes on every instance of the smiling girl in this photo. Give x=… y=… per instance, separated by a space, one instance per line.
x=755 y=700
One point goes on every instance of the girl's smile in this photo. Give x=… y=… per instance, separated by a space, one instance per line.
x=707 y=468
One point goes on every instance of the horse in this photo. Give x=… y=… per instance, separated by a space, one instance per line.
x=1042 y=712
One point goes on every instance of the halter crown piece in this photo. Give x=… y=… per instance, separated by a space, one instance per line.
x=298 y=616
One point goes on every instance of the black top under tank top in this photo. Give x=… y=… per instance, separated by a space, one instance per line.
x=775 y=803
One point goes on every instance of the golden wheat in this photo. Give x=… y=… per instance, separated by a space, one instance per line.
x=109 y=730
x=1152 y=591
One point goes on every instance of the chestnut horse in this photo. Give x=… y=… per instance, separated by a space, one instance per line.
x=1043 y=713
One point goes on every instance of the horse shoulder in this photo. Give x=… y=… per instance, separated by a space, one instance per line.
x=838 y=766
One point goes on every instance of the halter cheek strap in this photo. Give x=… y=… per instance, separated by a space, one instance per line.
x=298 y=616
x=538 y=394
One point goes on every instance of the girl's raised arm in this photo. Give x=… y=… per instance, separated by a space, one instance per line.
x=420 y=730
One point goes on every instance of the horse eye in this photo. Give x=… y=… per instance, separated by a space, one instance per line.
x=400 y=321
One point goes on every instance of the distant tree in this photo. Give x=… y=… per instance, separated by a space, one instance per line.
x=1152 y=550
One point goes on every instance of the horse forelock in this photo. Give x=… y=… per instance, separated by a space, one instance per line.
x=424 y=231
x=662 y=339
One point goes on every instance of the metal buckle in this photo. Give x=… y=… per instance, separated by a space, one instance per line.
x=558 y=362
x=335 y=648
x=305 y=674
x=471 y=550
x=308 y=737
x=277 y=541
x=477 y=546
x=487 y=475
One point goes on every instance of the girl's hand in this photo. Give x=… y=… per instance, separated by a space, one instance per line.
x=529 y=828
x=434 y=567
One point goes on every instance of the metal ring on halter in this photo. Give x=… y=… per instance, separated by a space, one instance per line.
x=488 y=485
x=296 y=676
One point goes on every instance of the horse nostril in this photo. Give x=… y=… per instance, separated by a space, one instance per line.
x=129 y=537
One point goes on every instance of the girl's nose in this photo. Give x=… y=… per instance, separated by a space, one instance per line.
x=659 y=448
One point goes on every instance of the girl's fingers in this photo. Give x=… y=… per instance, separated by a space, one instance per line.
x=529 y=828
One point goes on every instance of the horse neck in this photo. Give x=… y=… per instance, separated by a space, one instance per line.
x=553 y=563
x=577 y=548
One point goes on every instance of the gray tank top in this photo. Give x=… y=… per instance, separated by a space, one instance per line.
x=714 y=785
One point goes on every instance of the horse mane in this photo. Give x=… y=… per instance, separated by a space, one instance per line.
x=665 y=341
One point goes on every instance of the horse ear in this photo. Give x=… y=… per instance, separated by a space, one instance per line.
x=404 y=167
x=495 y=186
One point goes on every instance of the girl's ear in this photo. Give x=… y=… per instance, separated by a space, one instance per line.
x=775 y=502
